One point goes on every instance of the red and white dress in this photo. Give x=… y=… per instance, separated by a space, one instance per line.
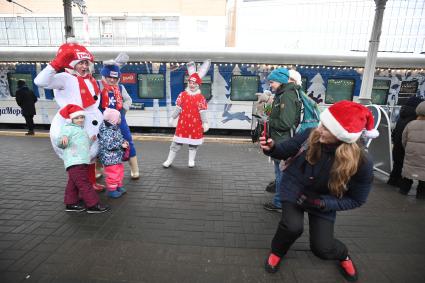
x=189 y=127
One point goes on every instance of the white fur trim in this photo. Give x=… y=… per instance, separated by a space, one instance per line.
x=188 y=141
x=198 y=91
x=329 y=121
x=76 y=114
x=372 y=134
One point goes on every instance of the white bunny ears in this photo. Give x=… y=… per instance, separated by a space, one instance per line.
x=120 y=60
x=203 y=70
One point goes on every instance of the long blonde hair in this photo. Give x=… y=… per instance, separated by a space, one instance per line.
x=348 y=157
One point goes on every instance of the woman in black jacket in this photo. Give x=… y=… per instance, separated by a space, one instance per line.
x=407 y=114
x=326 y=171
x=26 y=100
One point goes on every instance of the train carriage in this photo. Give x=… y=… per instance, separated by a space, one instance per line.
x=155 y=77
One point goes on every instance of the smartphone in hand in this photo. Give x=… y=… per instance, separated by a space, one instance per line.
x=266 y=132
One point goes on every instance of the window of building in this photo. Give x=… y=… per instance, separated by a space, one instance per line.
x=339 y=89
x=151 y=86
x=205 y=87
x=380 y=91
x=107 y=31
x=15 y=31
x=43 y=32
x=30 y=26
x=244 y=88
x=56 y=30
x=13 y=81
x=407 y=90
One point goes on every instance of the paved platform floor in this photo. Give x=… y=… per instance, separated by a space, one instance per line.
x=205 y=224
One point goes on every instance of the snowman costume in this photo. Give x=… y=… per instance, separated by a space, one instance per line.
x=191 y=109
x=70 y=87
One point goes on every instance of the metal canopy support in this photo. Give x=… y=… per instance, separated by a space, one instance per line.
x=369 y=70
x=69 y=26
x=67 y=11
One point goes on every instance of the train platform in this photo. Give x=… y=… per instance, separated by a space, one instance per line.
x=202 y=224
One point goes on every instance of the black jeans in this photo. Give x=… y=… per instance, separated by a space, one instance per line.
x=406 y=185
x=322 y=241
x=30 y=122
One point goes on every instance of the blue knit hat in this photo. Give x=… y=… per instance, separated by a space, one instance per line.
x=280 y=75
x=112 y=71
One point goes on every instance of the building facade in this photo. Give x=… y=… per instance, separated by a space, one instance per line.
x=183 y=23
x=327 y=25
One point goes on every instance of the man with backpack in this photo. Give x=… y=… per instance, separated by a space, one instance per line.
x=284 y=118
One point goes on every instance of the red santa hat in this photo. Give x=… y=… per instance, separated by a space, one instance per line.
x=195 y=78
x=347 y=120
x=71 y=111
x=76 y=53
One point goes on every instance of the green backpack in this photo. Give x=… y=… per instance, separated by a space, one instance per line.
x=310 y=113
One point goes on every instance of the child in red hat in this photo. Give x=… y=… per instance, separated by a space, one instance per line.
x=75 y=143
x=328 y=171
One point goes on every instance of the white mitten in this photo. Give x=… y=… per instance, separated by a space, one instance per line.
x=206 y=127
x=264 y=97
x=171 y=122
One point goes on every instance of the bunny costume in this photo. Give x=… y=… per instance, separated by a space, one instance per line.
x=191 y=109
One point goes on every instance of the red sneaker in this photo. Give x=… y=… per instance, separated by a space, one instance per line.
x=98 y=187
x=272 y=263
x=348 y=269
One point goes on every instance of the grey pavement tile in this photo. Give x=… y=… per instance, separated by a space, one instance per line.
x=205 y=224
x=12 y=276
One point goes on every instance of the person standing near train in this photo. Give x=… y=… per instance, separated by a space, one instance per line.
x=413 y=140
x=284 y=118
x=327 y=170
x=191 y=109
x=115 y=96
x=69 y=74
x=26 y=99
x=407 y=114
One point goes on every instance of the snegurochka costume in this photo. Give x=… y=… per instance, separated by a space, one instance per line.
x=191 y=109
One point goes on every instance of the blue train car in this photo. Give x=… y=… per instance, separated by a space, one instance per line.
x=155 y=77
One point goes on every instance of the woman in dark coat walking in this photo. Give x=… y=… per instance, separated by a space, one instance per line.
x=328 y=171
x=26 y=100
x=407 y=114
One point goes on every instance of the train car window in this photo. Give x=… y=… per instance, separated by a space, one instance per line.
x=339 y=89
x=151 y=86
x=13 y=80
x=304 y=84
x=205 y=87
x=380 y=91
x=407 y=90
x=244 y=88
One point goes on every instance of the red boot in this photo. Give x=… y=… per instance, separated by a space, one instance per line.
x=348 y=269
x=272 y=263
